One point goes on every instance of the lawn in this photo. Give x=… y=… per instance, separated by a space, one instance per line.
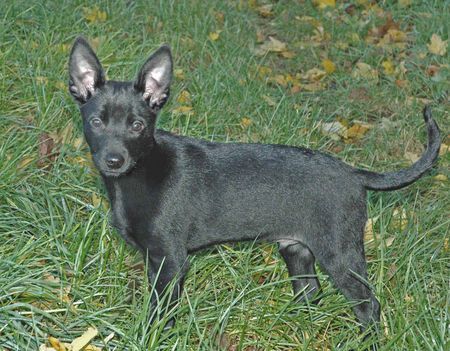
x=349 y=79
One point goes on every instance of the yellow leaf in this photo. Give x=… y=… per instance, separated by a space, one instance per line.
x=271 y=45
x=96 y=200
x=287 y=54
x=265 y=10
x=184 y=97
x=322 y=4
x=94 y=14
x=81 y=342
x=314 y=74
x=179 y=74
x=437 y=46
x=315 y=86
x=56 y=344
x=214 y=35
x=279 y=79
x=444 y=149
x=328 y=66
x=246 y=122
x=441 y=177
x=411 y=156
x=388 y=67
x=183 y=110
x=264 y=71
x=357 y=131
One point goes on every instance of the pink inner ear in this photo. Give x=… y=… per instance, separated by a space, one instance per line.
x=151 y=86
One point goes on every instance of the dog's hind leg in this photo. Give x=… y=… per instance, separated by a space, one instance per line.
x=300 y=263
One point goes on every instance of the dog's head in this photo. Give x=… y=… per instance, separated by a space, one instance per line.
x=118 y=117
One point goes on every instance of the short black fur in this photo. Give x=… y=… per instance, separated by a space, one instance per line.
x=173 y=195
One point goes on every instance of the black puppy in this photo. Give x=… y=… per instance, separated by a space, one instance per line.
x=173 y=195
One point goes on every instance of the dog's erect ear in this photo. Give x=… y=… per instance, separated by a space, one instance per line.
x=153 y=80
x=85 y=71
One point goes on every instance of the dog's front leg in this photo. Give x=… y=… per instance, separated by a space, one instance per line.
x=166 y=273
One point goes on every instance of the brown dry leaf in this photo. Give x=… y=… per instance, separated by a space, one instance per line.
x=83 y=341
x=46 y=150
x=437 y=46
x=220 y=17
x=184 y=97
x=56 y=344
x=328 y=66
x=265 y=10
x=94 y=15
x=359 y=94
x=270 y=45
x=246 y=122
x=381 y=31
x=363 y=70
x=50 y=278
x=214 y=36
x=323 y=4
x=296 y=88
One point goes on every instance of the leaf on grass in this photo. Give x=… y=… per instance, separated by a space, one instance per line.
x=411 y=156
x=46 y=150
x=183 y=110
x=335 y=130
x=359 y=94
x=260 y=36
x=179 y=74
x=388 y=67
x=265 y=10
x=323 y=4
x=270 y=101
x=287 y=54
x=437 y=46
x=279 y=79
x=214 y=36
x=404 y=3
x=357 y=130
x=56 y=344
x=328 y=66
x=313 y=75
x=41 y=80
x=83 y=341
x=399 y=218
x=441 y=178
x=94 y=15
x=246 y=122
x=184 y=97
x=363 y=70
x=270 y=45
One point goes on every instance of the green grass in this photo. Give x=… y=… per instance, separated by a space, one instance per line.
x=63 y=269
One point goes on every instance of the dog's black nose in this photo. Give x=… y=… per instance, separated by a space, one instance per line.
x=114 y=161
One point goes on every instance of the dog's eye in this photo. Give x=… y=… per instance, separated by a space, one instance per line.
x=96 y=122
x=137 y=126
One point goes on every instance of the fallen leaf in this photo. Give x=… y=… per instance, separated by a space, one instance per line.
x=220 y=17
x=388 y=67
x=81 y=342
x=441 y=177
x=269 y=100
x=323 y=4
x=56 y=344
x=184 y=97
x=179 y=74
x=359 y=94
x=279 y=79
x=246 y=122
x=46 y=150
x=260 y=36
x=335 y=130
x=404 y=3
x=314 y=74
x=93 y=15
x=183 y=110
x=411 y=156
x=42 y=80
x=264 y=71
x=444 y=149
x=287 y=54
x=400 y=218
x=357 y=131
x=265 y=10
x=214 y=35
x=363 y=70
x=437 y=46
x=315 y=86
x=296 y=88
x=328 y=66
x=270 y=45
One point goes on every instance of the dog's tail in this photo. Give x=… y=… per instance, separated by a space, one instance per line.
x=404 y=177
